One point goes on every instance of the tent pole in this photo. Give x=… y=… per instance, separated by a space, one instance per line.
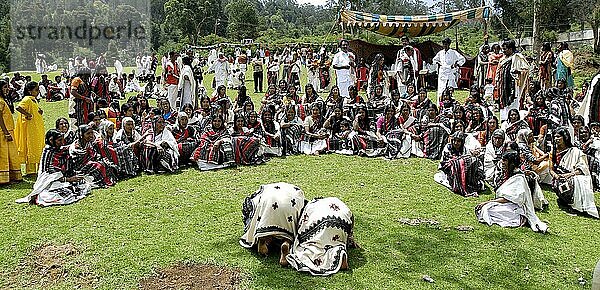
x=456 y=36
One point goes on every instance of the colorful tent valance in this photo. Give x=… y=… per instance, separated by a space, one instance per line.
x=413 y=26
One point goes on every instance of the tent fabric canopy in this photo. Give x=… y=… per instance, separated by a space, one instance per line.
x=413 y=26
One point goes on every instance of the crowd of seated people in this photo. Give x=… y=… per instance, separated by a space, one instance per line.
x=115 y=142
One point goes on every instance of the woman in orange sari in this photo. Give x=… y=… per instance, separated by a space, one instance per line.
x=494 y=58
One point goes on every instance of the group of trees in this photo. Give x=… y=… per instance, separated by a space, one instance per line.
x=176 y=23
x=523 y=17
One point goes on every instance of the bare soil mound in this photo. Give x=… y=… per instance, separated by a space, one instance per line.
x=49 y=265
x=192 y=276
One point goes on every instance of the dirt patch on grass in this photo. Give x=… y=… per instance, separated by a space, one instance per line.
x=49 y=265
x=193 y=276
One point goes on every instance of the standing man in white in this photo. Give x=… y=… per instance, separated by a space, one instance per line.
x=343 y=63
x=221 y=69
x=448 y=61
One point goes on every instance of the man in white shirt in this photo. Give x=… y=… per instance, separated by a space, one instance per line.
x=343 y=63
x=448 y=61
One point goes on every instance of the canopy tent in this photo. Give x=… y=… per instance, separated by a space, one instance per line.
x=413 y=26
x=428 y=49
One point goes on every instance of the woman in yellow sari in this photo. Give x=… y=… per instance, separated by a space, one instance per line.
x=30 y=131
x=10 y=167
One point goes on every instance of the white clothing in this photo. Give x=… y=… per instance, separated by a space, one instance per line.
x=221 y=69
x=323 y=234
x=516 y=190
x=448 y=63
x=343 y=76
x=187 y=86
x=272 y=211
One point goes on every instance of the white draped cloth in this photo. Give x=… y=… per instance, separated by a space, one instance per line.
x=344 y=77
x=321 y=244
x=584 y=108
x=167 y=137
x=50 y=190
x=272 y=211
x=447 y=73
x=187 y=86
x=491 y=163
x=221 y=69
x=519 y=208
x=583 y=193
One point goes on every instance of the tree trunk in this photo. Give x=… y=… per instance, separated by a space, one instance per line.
x=536 y=29
x=596 y=40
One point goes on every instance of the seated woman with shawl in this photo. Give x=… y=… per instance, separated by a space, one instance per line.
x=325 y=231
x=460 y=171
x=571 y=175
x=431 y=135
x=271 y=98
x=292 y=97
x=169 y=115
x=471 y=143
x=292 y=130
x=394 y=135
x=200 y=118
x=241 y=99
x=491 y=125
x=352 y=103
x=186 y=137
x=246 y=148
x=215 y=149
x=87 y=161
x=62 y=125
x=422 y=105
x=310 y=96
x=590 y=146
x=315 y=136
x=477 y=123
x=492 y=165
x=334 y=143
x=254 y=125
x=364 y=141
x=56 y=184
x=333 y=101
x=128 y=135
x=271 y=216
x=120 y=154
x=271 y=142
x=537 y=116
x=533 y=158
x=514 y=204
x=376 y=100
x=513 y=124
x=160 y=151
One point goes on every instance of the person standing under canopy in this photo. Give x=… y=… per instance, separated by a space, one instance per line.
x=448 y=61
x=343 y=63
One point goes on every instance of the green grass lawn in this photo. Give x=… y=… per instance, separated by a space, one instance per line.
x=126 y=232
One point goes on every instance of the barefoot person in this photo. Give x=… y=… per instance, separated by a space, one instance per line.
x=514 y=203
x=324 y=235
x=271 y=217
